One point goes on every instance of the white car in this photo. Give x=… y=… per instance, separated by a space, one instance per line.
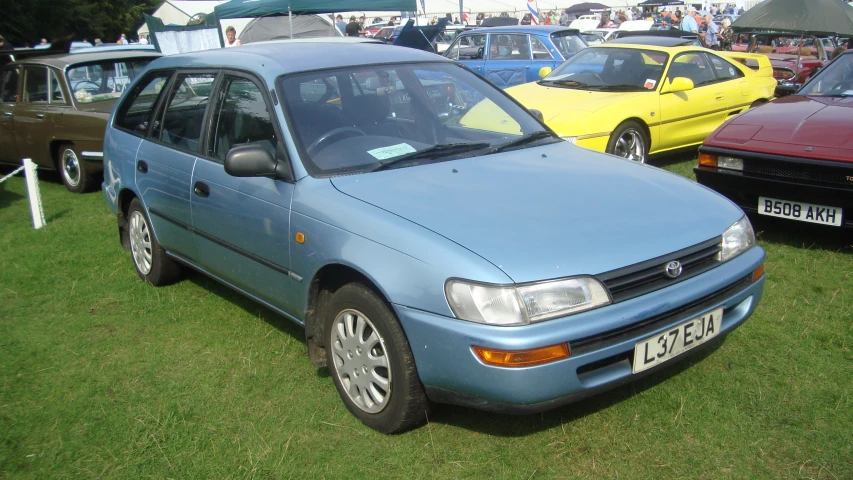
x=447 y=36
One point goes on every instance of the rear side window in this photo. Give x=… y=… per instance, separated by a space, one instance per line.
x=723 y=69
x=135 y=113
x=9 y=85
x=184 y=116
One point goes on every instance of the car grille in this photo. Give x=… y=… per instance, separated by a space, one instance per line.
x=642 y=278
x=811 y=173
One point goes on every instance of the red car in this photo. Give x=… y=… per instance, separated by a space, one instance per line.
x=792 y=55
x=793 y=157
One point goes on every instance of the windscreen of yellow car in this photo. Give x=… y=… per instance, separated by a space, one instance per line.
x=610 y=69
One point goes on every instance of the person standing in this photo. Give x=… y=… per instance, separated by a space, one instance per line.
x=339 y=22
x=231 y=37
x=709 y=36
x=688 y=23
x=564 y=17
x=143 y=40
x=353 y=29
x=3 y=45
x=122 y=40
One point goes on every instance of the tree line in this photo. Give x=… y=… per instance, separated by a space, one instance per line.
x=29 y=21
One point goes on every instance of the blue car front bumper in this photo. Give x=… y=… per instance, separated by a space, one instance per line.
x=601 y=341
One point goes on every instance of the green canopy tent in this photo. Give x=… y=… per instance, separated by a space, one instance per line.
x=814 y=16
x=262 y=8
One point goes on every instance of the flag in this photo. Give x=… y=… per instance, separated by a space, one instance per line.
x=533 y=8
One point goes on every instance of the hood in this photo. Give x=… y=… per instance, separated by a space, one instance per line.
x=556 y=101
x=419 y=38
x=787 y=125
x=550 y=211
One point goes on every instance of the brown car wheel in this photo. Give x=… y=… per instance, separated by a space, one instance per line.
x=72 y=170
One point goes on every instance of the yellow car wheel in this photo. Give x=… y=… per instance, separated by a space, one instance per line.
x=630 y=141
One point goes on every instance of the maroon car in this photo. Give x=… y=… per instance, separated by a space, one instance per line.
x=793 y=157
x=792 y=55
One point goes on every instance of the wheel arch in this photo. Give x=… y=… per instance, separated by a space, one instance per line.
x=54 y=151
x=124 y=198
x=326 y=281
x=643 y=124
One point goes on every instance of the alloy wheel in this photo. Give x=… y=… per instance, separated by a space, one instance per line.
x=630 y=145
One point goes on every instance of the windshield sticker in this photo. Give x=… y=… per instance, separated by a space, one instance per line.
x=392 y=151
x=732 y=71
x=650 y=83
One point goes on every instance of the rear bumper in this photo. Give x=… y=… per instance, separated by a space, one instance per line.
x=601 y=341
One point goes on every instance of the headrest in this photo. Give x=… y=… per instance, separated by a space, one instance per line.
x=367 y=109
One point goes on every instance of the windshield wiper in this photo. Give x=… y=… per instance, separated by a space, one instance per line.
x=529 y=138
x=621 y=86
x=432 y=153
x=565 y=83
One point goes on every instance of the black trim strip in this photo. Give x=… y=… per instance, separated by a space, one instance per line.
x=278 y=268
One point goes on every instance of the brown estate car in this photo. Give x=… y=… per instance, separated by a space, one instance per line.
x=54 y=109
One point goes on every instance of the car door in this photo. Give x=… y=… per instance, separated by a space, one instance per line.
x=165 y=161
x=33 y=130
x=242 y=225
x=688 y=117
x=734 y=85
x=508 y=60
x=9 y=90
x=469 y=50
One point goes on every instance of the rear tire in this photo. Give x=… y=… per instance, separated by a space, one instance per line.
x=72 y=169
x=370 y=361
x=629 y=141
x=150 y=259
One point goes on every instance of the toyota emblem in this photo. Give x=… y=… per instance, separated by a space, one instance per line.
x=673 y=269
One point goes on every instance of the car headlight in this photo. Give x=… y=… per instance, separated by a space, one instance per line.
x=524 y=304
x=570 y=139
x=737 y=239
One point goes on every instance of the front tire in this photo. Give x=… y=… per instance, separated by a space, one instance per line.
x=629 y=141
x=72 y=170
x=150 y=259
x=370 y=361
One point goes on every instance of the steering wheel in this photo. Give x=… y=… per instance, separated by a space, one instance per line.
x=81 y=82
x=591 y=73
x=334 y=133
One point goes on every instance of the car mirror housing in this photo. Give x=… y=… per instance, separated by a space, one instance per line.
x=678 y=84
x=785 y=90
x=544 y=72
x=251 y=161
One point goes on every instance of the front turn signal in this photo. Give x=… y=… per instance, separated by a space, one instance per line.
x=707 y=160
x=521 y=358
x=758 y=273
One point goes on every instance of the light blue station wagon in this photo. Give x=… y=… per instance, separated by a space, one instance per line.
x=437 y=242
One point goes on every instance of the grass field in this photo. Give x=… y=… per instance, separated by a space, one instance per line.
x=104 y=376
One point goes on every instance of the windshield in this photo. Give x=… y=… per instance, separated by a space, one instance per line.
x=357 y=119
x=610 y=69
x=834 y=80
x=568 y=43
x=94 y=82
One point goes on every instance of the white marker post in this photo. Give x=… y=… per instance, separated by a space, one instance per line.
x=34 y=193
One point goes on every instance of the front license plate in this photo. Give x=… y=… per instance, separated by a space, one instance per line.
x=804 y=212
x=658 y=349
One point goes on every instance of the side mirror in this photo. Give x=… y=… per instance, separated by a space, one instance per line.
x=678 y=84
x=545 y=71
x=785 y=90
x=251 y=160
x=537 y=114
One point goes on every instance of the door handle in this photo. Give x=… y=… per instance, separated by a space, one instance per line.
x=142 y=166
x=39 y=115
x=721 y=96
x=201 y=189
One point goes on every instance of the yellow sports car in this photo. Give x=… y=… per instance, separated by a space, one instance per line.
x=640 y=96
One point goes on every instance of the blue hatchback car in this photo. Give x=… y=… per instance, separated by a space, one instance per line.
x=513 y=55
x=434 y=248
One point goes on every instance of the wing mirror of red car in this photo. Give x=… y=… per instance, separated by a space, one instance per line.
x=253 y=160
x=785 y=90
